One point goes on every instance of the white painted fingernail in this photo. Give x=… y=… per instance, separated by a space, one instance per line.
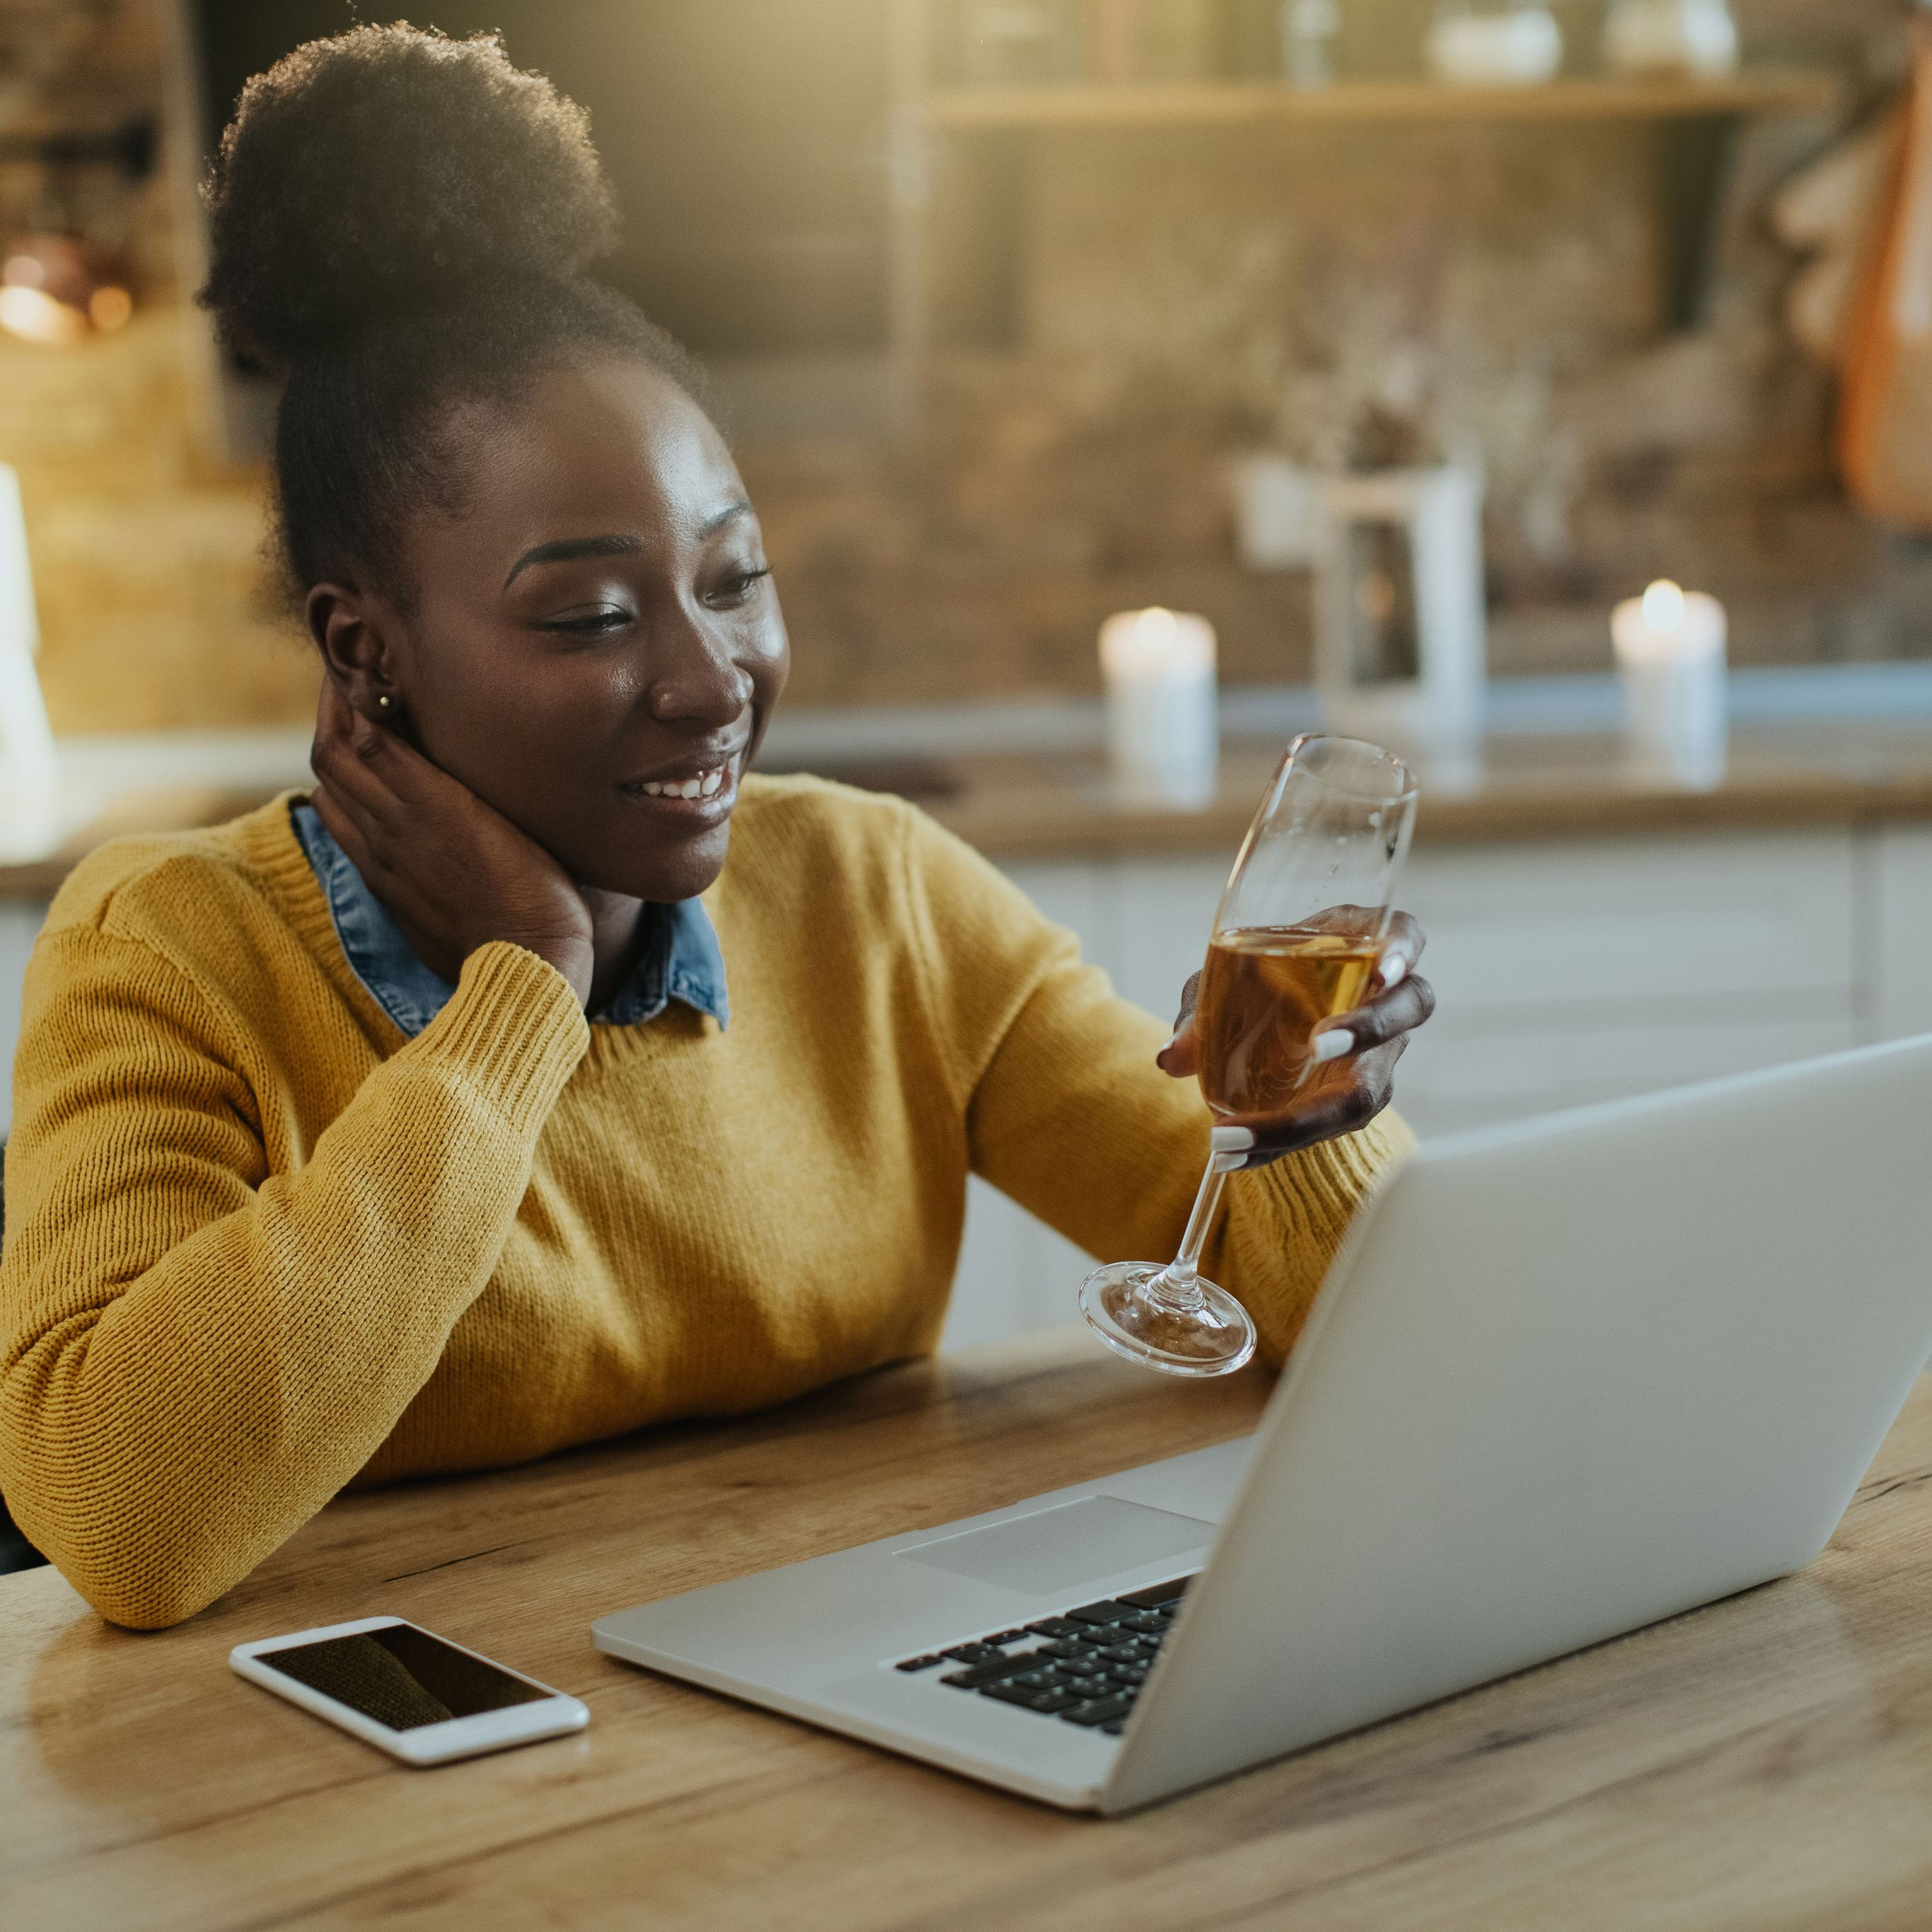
x=1335 y=1046
x=1394 y=971
x=1230 y=1140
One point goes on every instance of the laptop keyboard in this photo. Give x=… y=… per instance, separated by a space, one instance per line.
x=1085 y=1666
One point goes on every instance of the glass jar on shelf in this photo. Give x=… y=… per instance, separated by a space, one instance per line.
x=1694 y=40
x=1494 y=43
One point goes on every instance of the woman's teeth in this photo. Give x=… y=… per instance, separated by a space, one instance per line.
x=703 y=786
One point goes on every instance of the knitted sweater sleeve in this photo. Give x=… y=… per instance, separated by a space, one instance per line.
x=1067 y=1113
x=196 y=1354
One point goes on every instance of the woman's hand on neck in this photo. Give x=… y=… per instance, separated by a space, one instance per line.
x=618 y=930
x=453 y=873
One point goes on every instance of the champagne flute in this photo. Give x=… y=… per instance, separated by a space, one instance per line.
x=1298 y=937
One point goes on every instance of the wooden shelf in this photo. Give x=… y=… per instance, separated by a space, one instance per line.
x=1207 y=103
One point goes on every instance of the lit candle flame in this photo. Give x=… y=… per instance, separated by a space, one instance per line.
x=1663 y=606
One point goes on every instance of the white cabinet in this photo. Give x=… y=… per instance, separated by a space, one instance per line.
x=1166 y=911
x=1901 y=875
x=1512 y=927
x=1588 y=971
x=1567 y=972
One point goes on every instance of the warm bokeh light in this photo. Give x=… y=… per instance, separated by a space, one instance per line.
x=55 y=290
x=109 y=307
x=34 y=315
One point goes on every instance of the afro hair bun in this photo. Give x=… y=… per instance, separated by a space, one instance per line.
x=389 y=169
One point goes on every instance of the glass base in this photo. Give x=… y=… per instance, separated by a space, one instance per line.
x=1214 y=1340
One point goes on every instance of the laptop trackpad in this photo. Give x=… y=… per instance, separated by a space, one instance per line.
x=1054 y=1548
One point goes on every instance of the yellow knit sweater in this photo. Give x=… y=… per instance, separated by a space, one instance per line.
x=259 y=1247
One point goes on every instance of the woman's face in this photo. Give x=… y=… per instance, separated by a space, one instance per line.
x=595 y=645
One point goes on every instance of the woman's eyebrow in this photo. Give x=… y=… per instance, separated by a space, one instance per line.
x=572 y=547
x=718 y=519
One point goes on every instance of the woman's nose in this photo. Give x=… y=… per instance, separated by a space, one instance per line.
x=697 y=679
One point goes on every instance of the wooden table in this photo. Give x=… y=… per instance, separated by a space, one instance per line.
x=1764 y=1762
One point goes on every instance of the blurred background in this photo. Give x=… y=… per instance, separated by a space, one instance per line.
x=1399 y=342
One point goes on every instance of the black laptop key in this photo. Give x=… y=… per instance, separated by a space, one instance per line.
x=1106 y=1611
x=1104 y=1712
x=1115 y=1729
x=1155 y=1594
x=1005 y=1637
x=972 y=1653
x=1124 y=1653
x=1056 y=1627
x=1128 y=1673
x=1065 y=1647
x=1146 y=1624
x=920 y=1663
x=1013 y=1693
x=1047 y=1703
x=979 y=1675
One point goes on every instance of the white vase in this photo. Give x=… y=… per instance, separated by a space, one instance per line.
x=1516 y=46
x=1676 y=38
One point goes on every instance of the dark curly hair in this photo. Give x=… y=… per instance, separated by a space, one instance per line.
x=399 y=226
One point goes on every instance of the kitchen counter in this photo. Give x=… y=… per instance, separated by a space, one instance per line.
x=1818 y=748
x=1038 y=804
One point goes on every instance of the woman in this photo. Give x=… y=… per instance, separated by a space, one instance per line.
x=436 y=1121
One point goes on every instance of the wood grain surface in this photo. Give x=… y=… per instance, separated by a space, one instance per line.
x=1764 y=1763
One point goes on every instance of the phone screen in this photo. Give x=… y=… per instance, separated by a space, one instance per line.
x=402 y=1677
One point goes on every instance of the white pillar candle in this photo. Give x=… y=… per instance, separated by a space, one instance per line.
x=1163 y=735
x=1671 y=655
x=29 y=770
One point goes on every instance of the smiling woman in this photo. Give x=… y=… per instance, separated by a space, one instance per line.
x=413 y=1126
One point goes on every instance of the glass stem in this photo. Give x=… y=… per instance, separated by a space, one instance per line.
x=1177 y=1286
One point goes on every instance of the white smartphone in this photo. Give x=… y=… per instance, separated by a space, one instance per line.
x=404 y=1690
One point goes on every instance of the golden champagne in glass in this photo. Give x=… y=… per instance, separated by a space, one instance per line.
x=1298 y=938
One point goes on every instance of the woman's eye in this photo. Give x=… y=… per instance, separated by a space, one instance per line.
x=739 y=584
x=590 y=623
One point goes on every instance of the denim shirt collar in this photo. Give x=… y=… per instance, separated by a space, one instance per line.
x=680 y=960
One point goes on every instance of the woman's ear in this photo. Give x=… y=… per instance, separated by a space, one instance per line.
x=353 y=636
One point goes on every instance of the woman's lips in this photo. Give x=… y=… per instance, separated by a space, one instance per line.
x=705 y=792
x=701 y=786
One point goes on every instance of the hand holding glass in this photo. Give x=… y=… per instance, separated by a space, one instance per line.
x=1298 y=938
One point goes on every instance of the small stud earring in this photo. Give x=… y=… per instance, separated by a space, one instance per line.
x=383 y=702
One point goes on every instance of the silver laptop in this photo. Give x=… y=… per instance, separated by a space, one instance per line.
x=1565 y=1378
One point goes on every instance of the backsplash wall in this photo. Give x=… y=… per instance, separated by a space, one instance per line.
x=1177 y=299
x=1186 y=295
